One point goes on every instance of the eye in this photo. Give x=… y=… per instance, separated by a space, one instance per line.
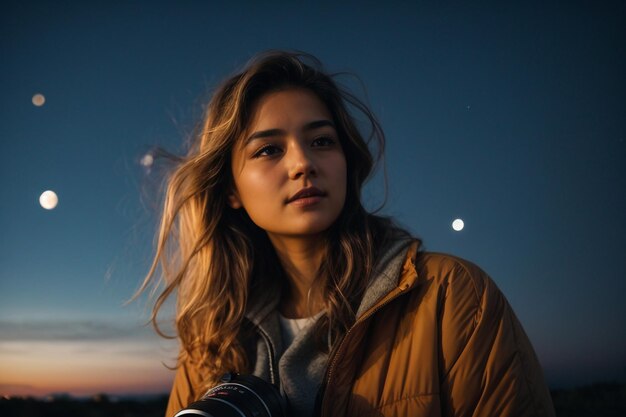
x=267 y=150
x=323 y=141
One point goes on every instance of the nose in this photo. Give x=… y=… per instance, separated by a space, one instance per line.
x=301 y=163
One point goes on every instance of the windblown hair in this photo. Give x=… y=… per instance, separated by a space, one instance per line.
x=212 y=256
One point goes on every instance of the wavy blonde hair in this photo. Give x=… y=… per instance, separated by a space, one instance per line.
x=211 y=255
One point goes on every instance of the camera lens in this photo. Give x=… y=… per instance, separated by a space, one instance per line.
x=238 y=396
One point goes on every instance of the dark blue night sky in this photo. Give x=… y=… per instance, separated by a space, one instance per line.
x=509 y=115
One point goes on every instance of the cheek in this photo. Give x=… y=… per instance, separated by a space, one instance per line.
x=255 y=185
x=340 y=176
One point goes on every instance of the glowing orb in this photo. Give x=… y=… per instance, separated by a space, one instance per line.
x=147 y=160
x=48 y=200
x=458 y=225
x=39 y=100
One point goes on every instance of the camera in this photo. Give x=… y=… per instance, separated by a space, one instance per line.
x=239 y=396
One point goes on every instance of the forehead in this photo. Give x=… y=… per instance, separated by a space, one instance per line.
x=287 y=109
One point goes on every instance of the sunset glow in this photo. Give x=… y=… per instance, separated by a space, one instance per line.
x=84 y=368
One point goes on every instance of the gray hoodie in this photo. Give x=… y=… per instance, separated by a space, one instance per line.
x=299 y=368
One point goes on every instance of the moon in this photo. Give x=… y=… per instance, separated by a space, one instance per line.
x=458 y=225
x=39 y=100
x=48 y=199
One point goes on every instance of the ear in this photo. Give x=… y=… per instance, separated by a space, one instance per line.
x=233 y=200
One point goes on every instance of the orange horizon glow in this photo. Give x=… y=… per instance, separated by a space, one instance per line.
x=84 y=368
x=86 y=389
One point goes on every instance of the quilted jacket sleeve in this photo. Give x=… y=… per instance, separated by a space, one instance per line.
x=184 y=389
x=492 y=369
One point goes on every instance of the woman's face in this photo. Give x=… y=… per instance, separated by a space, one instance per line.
x=289 y=169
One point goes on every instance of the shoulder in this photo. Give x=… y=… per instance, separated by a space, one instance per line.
x=453 y=277
x=467 y=304
x=461 y=295
x=445 y=268
x=486 y=361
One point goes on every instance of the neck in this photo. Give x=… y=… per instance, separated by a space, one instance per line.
x=301 y=259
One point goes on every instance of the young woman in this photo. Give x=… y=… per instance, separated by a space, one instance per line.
x=280 y=272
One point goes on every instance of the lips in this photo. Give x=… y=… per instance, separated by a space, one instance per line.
x=305 y=193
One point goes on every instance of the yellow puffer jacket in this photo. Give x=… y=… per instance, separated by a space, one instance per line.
x=445 y=342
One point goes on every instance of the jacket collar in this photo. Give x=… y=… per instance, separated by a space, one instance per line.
x=387 y=274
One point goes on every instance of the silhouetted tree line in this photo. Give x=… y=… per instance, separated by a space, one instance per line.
x=98 y=406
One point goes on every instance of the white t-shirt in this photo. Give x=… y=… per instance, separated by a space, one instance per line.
x=291 y=327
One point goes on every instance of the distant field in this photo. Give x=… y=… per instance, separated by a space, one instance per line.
x=600 y=400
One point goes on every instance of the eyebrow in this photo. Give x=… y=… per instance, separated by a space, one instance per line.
x=277 y=132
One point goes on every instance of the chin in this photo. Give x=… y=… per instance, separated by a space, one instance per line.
x=308 y=228
x=316 y=229
x=304 y=225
